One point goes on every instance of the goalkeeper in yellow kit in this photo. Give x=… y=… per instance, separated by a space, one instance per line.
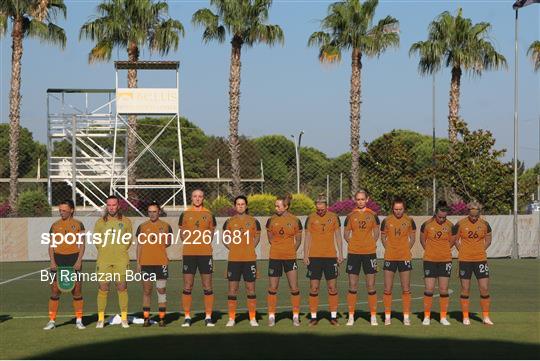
x=112 y=261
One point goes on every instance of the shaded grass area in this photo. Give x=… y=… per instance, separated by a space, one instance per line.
x=515 y=290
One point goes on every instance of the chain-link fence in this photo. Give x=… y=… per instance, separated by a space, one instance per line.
x=400 y=163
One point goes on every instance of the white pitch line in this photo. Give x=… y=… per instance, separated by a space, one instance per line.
x=18 y=278
x=242 y=309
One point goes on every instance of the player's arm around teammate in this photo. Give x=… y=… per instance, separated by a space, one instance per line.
x=398 y=234
x=241 y=235
x=472 y=237
x=284 y=232
x=197 y=225
x=113 y=259
x=67 y=253
x=437 y=240
x=361 y=232
x=324 y=254
x=153 y=238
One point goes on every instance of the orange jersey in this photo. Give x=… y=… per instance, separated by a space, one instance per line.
x=240 y=232
x=69 y=226
x=322 y=230
x=152 y=243
x=196 y=227
x=473 y=239
x=437 y=240
x=283 y=230
x=361 y=225
x=397 y=232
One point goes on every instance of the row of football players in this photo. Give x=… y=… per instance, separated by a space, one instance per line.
x=322 y=256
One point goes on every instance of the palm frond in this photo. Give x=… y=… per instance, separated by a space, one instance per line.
x=534 y=53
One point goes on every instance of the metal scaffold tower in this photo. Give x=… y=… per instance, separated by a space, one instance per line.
x=77 y=151
x=156 y=102
x=87 y=139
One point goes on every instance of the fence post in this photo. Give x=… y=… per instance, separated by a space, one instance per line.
x=73 y=159
x=218 y=176
x=262 y=177
x=174 y=190
x=340 y=187
x=328 y=188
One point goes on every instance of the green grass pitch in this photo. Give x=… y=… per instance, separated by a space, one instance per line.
x=515 y=291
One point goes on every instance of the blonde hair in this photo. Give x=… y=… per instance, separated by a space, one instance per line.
x=286 y=200
x=362 y=191
x=474 y=204
x=321 y=198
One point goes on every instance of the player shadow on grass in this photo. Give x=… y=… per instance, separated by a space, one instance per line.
x=453 y=315
x=4 y=318
x=301 y=344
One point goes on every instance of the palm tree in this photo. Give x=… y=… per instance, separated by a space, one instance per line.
x=34 y=19
x=461 y=45
x=131 y=25
x=349 y=26
x=245 y=22
x=534 y=52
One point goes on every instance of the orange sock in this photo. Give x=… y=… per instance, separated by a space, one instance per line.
x=272 y=302
x=78 y=306
x=443 y=302
x=146 y=312
x=352 y=296
x=484 y=304
x=295 y=300
x=372 y=302
x=333 y=300
x=387 y=300
x=208 y=303
x=252 y=306
x=428 y=302
x=162 y=311
x=465 y=305
x=53 y=307
x=406 y=297
x=313 y=302
x=186 y=303
x=232 y=302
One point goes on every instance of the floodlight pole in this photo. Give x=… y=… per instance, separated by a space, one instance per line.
x=433 y=156
x=180 y=152
x=515 y=252
x=297 y=153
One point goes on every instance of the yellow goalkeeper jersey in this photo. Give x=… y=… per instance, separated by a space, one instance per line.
x=113 y=249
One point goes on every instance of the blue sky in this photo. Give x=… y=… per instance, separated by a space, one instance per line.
x=285 y=89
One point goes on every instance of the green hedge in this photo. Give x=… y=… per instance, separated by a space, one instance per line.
x=261 y=204
x=264 y=204
x=33 y=204
x=302 y=205
x=220 y=206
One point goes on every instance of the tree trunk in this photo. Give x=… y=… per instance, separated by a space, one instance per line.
x=453 y=105
x=234 y=110
x=14 y=110
x=41 y=10
x=133 y=55
x=354 y=103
